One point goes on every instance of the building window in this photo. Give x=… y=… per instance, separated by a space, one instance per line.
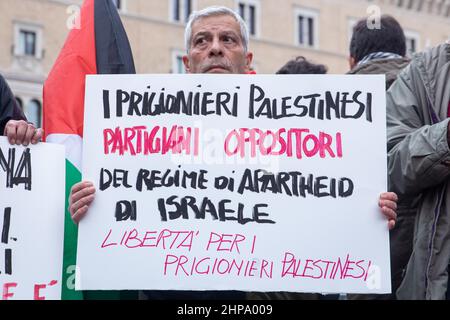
x=181 y=10
x=27 y=40
x=249 y=11
x=33 y=112
x=177 y=62
x=412 y=42
x=307 y=28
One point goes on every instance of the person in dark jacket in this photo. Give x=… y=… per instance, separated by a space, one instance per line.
x=13 y=123
x=418 y=132
x=382 y=51
x=378 y=51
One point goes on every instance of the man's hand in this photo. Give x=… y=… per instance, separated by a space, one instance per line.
x=388 y=205
x=81 y=197
x=21 y=132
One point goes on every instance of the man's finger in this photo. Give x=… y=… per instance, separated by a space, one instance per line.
x=75 y=205
x=80 y=185
x=21 y=132
x=31 y=130
x=11 y=132
x=85 y=192
x=37 y=136
x=79 y=214
x=85 y=201
x=388 y=203
x=389 y=196
x=389 y=213
x=391 y=224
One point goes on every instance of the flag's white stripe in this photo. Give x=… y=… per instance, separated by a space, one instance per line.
x=73 y=144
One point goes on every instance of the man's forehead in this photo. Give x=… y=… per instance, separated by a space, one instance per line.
x=215 y=23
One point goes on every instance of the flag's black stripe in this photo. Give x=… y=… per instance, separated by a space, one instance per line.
x=113 y=50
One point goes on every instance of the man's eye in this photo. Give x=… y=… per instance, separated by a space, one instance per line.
x=228 y=39
x=200 y=41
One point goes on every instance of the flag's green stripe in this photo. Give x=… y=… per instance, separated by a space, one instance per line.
x=70 y=254
x=70 y=240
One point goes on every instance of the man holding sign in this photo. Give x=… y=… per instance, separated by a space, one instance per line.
x=216 y=42
x=13 y=123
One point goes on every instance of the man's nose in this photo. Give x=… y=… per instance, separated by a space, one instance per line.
x=216 y=48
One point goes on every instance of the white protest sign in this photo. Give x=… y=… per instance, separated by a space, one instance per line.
x=32 y=195
x=238 y=182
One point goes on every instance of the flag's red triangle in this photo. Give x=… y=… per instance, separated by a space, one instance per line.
x=64 y=87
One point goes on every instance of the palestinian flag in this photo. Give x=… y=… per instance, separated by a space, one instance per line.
x=99 y=46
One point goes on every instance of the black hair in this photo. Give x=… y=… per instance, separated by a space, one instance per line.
x=300 y=65
x=389 y=37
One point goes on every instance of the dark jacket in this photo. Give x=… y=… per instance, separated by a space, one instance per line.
x=419 y=163
x=9 y=109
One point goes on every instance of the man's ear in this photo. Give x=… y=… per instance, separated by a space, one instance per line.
x=186 y=64
x=248 y=60
x=351 y=62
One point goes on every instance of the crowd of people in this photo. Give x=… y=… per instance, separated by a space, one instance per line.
x=418 y=142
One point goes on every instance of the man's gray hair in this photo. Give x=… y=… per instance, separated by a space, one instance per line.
x=215 y=11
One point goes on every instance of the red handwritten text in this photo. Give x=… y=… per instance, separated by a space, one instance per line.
x=324 y=269
x=37 y=291
x=139 y=140
x=185 y=266
x=165 y=239
x=292 y=143
x=225 y=242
